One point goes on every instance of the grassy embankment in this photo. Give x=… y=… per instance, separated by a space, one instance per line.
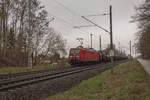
x=129 y=82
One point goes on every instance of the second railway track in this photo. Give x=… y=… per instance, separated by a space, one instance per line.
x=18 y=82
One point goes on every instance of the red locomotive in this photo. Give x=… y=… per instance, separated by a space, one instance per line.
x=83 y=55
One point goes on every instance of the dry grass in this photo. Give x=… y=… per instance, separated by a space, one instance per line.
x=10 y=70
x=129 y=82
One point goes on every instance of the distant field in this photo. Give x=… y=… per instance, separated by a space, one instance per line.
x=129 y=82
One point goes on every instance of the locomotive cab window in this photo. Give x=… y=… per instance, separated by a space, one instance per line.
x=75 y=51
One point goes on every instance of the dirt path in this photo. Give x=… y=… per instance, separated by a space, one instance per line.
x=145 y=64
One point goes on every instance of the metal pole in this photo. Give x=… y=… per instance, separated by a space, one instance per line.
x=133 y=50
x=100 y=43
x=111 y=33
x=91 y=39
x=111 y=39
x=119 y=48
x=130 y=48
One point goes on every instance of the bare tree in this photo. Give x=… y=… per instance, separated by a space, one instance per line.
x=15 y=31
x=142 y=17
x=54 y=43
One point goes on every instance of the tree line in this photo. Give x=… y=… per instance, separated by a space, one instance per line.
x=142 y=17
x=20 y=22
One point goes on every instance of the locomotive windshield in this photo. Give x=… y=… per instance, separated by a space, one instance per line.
x=75 y=51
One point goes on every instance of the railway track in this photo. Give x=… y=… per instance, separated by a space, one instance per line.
x=24 y=79
x=14 y=75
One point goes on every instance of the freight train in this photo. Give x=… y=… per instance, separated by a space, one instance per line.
x=82 y=55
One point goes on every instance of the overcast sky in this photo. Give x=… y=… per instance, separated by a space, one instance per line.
x=68 y=14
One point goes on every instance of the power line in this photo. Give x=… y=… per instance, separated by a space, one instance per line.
x=96 y=15
x=95 y=24
x=65 y=7
x=62 y=20
x=72 y=12
x=70 y=24
x=69 y=10
x=84 y=26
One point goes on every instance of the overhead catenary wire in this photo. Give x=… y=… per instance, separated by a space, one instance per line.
x=97 y=15
x=70 y=10
x=80 y=16
x=73 y=13
x=62 y=20
x=95 y=24
x=66 y=22
x=65 y=7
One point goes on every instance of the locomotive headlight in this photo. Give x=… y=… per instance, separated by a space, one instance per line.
x=71 y=57
x=77 y=57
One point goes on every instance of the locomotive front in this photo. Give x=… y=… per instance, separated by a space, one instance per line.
x=74 y=56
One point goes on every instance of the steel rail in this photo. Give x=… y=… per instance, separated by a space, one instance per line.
x=12 y=84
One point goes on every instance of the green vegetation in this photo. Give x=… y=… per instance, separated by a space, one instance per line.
x=10 y=70
x=129 y=82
